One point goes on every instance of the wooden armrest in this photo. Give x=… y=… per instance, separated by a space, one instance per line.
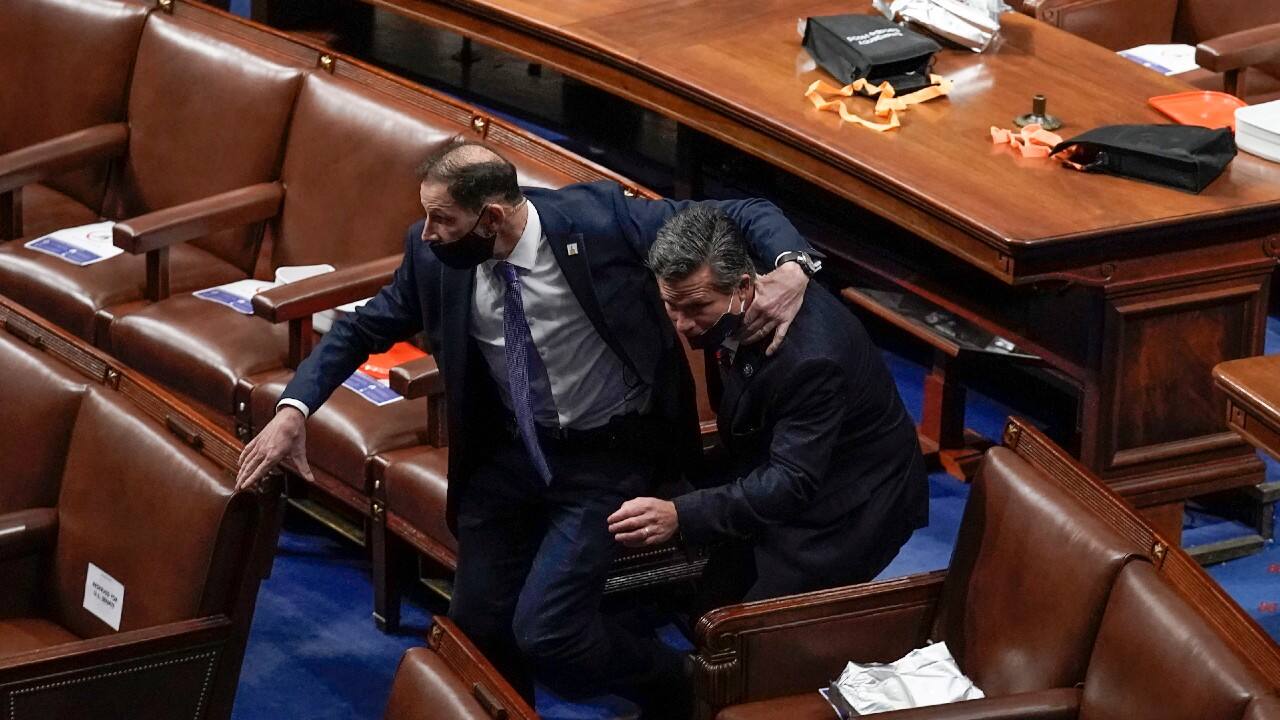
x=24 y=532
x=1238 y=50
x=1055 y=704
x=116 y=647
x=326 y=291
x=198 y=218
x=62 y=154
x=489 y=688
x=417 y=378
x=741 y=648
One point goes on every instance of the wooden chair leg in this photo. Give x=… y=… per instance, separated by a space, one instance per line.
x=386 y=578
x=943 y=420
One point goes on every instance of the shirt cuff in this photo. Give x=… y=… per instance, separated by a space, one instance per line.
x=301 y=406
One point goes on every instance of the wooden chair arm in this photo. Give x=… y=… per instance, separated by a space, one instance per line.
x=799 y=643
x=68 y=152
x=24 y=532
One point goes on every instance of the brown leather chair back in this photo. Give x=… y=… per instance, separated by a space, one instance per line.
x=147 y=510
x=64 y=67
x=1200 y=20
x=207 y=114
x=349 y=172
x=1029 y=577
x=426 y=688
x=1157 y=658
x=39 y=399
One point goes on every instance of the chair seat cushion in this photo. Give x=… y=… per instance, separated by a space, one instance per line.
x=416 y=485
x=199 y=348
x=20 y=635
x=808 y=706
x=69 y=296
x=45 y=210
x=347 y=431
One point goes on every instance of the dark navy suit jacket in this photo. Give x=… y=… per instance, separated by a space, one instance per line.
x=813 y=432
x=612 y=233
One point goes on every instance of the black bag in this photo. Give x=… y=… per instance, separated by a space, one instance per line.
x=869 y=46
x=1187 y=157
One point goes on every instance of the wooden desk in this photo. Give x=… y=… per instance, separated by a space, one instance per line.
x=1252 y=386
x=1133 y=291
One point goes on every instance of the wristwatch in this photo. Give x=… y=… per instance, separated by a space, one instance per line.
x=807 y=263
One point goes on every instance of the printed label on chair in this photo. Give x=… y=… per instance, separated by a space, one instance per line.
x=103 y=596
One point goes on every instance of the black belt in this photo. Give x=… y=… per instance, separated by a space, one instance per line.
x=620 y=430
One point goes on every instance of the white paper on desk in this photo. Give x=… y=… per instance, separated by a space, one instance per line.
x=926 y=676
x=103 y=596
x=1164 y=59
x=236 y=295
x=81 y=245
x=323 y=320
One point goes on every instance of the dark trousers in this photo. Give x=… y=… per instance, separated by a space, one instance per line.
x=532 y=562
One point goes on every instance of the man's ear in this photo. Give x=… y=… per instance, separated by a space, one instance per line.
x=744 y=282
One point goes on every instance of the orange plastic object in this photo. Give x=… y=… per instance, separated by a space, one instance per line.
x=1200 y=107
x=1031 y=141
x=379 y=366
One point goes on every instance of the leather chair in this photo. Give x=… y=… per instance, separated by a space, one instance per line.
x=1060 y=602
x=145 y=493
x=1237 y=46
x=38 y=408
x=348 y=169
x=195 y=161
x=47 y=92
x=1237 y=41
x=451 y=680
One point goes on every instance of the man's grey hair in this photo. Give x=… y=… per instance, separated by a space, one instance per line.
x=700 y=235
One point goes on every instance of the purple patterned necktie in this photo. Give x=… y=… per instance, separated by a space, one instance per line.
x=523 y=363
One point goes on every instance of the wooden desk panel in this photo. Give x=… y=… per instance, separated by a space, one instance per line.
x=1133 y=290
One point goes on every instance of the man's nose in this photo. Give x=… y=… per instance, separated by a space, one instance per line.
x=685 y=325
x=427 y=235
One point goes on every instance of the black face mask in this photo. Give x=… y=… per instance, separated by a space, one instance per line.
x=725 y=326
x=467 y=251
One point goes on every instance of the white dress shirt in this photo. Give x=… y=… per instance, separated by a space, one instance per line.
x=589 y=384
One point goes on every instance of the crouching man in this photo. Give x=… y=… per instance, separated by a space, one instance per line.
x=826 y=478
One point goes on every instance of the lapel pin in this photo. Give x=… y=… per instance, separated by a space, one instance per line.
x=572 y=248
x=748 y=370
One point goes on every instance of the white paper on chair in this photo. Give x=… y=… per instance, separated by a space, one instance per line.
x=1165 y=59
x=82 y=245
x=926 y=676
x=103 y=596
x=236 y=295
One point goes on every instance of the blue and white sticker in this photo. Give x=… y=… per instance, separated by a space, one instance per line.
x=371 y=389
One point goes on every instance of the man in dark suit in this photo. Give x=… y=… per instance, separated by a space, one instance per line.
x=564 y=384
x=828 y=479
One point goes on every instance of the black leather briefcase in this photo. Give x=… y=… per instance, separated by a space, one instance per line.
x=869 y=46
x=1187 y=157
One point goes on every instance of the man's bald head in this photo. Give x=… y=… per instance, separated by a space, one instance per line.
x=473 y=175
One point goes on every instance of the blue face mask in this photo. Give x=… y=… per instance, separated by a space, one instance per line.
x=724 y=327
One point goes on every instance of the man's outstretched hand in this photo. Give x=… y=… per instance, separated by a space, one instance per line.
x=284 y=438
x=778 y=298
x=644 y=521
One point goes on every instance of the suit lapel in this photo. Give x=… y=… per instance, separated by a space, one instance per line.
x=456 y=287
x=745 y=367
x=571 y=256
